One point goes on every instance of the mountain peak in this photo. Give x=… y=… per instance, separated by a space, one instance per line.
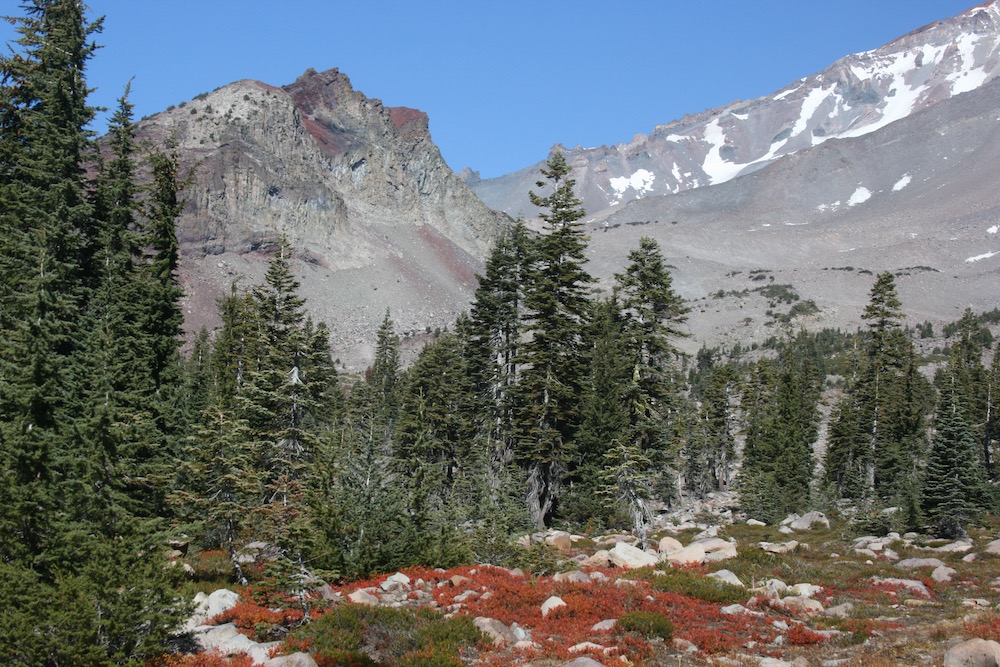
x=856 y=95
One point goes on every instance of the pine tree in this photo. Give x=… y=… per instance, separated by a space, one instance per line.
x=604 y=418
x=954 y=485
x=653 y=313
x=495 y=333
x=556 y=304
x=875 y=455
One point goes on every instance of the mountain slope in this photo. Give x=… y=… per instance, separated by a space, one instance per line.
x=917 y=197
x=361 y=191
x=853 y=97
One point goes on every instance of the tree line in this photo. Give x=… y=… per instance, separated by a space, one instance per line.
x=547 y=404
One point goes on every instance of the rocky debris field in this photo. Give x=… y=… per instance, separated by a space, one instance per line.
x=806 y=592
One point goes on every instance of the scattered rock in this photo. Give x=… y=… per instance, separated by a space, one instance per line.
x=808 y=520
x=737 y=610
x=973 y=653
x=692 y=554
x=993 y=548
x=909 y=584
x=943 y=574
x=802 y=606
x=805 y=590
x=668 y=544
x=755 y=522
x=778 y=547
x=840 y=611
x=300 y=659
x=585 y=646
x=600 y=559
x=573 y=576
x=629 y=557
x=684 y=645
x=728 y=577
x=495 y=630
x=605 y=626
x=560 y=539
x=582 y=662
x=553 y=602
x=210 y=606
x=717 y=549
x=364 y=596
x=914 y=563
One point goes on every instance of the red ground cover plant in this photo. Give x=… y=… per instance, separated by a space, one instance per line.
x=800 y=635
x=208 y=659
x=984 y=627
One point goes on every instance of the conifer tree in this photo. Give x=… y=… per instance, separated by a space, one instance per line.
x=495 y=331
x=954 y=491
x=875 y=455
x=653 y=313
x=604 y=418
x=556 y=304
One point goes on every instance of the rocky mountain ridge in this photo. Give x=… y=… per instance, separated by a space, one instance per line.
x=360 y=190
x=855 y=96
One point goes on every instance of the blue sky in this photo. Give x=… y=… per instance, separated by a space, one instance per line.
x=501 y=81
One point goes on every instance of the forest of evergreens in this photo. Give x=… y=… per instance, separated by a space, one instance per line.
x=546 y=404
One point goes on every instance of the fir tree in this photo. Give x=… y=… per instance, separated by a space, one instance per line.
x=653 y=313
x=556 y=304
x=954 y=485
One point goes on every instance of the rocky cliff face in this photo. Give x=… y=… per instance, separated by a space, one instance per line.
x=855 y=96
x=360 y=190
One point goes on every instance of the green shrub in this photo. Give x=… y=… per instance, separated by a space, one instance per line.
x=649 y=624
x=693 y=585
x=375 y=636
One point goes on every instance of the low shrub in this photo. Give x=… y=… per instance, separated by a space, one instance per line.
x=364 y=636
x=696 y=585
x=648 y=624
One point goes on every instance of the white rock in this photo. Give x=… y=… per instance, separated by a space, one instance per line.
x=692 y=554
x=805 y=590
x=364 y=596
x=606 y=625
x=778 y=547
x=973 y=653
x=910 y=584
x=943 y=574
x=914 y=563
x=553 y=602
x=808 y=520
x=668 y=544
x=585 y=646
x=755 y=522
x=993 y=548
x=728 y=577
x=495 y=630
x=629 y=557
x=802 y=606
x=785 y=530
x=300 y=659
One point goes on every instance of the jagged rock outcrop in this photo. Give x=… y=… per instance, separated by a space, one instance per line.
x=359 y=188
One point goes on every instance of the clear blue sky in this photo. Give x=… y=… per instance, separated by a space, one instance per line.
x=502 y=81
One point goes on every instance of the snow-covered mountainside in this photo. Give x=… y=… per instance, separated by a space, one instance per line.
x=855 y=96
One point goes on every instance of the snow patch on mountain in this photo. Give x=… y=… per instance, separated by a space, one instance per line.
x=985 y=255
x=860 y=196
x=993 y=230
x=715 y=166
x=641 y=181
x=902 y=183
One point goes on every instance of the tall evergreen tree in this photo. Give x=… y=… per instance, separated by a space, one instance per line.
x=653 y=312
x=556 y=304
x=955 y=490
